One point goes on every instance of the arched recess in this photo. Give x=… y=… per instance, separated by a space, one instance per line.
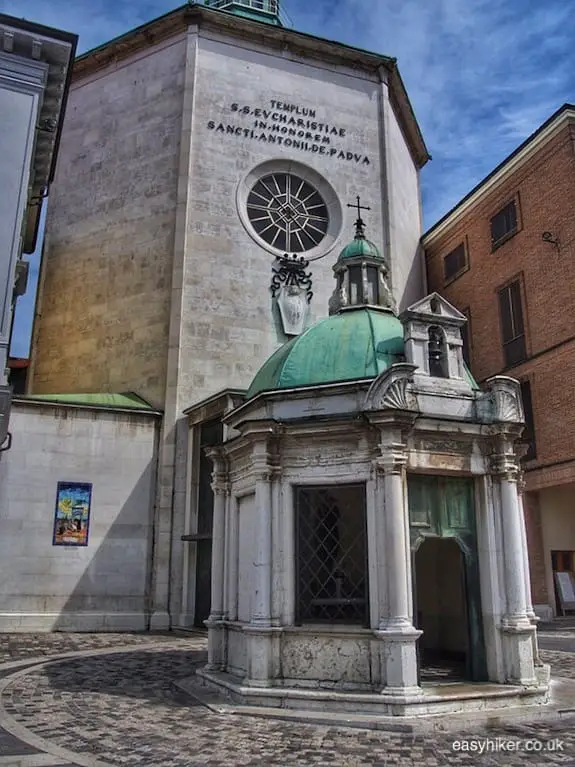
x=441 y=508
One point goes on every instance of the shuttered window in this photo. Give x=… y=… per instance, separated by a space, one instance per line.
x=512 y=328
x=454 y=263
x=503 y=224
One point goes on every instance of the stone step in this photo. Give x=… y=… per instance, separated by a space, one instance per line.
x=561 y=706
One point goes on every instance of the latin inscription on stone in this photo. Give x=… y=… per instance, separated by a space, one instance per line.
x=288 y=125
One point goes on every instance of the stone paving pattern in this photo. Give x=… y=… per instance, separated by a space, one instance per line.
x=123 y=710
x=23 y=646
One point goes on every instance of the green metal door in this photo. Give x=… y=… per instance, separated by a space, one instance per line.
x=444 y=507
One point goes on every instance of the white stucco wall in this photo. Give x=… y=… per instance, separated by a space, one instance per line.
x=104 y=585
x=558 y=524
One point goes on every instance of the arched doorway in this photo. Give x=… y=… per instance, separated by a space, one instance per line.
x=446 y=562
x=440 y=609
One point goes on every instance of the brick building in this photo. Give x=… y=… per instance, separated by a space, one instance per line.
x=505 y=256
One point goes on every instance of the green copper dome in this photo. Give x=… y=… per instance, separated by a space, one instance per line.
x=354 y=344
x=360 y=247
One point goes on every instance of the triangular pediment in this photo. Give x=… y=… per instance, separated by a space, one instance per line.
x=435 y=306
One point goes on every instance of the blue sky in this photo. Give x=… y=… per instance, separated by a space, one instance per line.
x=481 y=74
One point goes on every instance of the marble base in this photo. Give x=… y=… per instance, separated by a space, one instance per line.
x=429 y=700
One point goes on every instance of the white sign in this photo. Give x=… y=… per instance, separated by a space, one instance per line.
x=565 y=590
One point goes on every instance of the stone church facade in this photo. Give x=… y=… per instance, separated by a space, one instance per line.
x=156 y=274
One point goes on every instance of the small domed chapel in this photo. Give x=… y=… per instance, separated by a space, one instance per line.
x=243 y=411
x=368 y=533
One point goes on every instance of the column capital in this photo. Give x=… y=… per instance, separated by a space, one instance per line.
x=505 y=466
x=393 y=459
x=220 y=486
x=263 y=473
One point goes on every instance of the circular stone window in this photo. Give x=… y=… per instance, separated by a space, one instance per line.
x=287 y=212
x=288 y=208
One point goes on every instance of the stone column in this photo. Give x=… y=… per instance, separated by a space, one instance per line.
x=262 y=573
x=233 y=552
x=399 y=656
x=516 y=626
x=216 y=637
x=259 y=632
x=526 y=569
x=289 y=565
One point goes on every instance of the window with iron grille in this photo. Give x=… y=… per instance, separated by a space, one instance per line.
x=512 y=327
x=331 y=555
x=503 y=224
x=455 y=263
x=528 y=436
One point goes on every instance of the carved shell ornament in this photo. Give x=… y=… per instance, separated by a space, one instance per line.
x=397 y=395
x=506 y=406
x=392 y=389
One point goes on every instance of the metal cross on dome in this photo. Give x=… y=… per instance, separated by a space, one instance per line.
x=359 y=224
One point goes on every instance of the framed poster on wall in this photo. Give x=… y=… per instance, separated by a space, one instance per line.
x=72 y=514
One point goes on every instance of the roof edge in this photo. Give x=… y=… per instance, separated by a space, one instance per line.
x=39 y=29
x=512 y=162
x=74 y=400
x=29 y=400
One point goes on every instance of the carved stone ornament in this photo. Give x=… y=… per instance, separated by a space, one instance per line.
x=505 y=397
x=392 y=389
x=506 y=407
x=291 y=287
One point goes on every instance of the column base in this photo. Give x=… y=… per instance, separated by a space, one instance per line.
x=518 y=642
x=517 y=624
x=398 y=658
x=534 y=619
x=262 y=654
x=217 y=656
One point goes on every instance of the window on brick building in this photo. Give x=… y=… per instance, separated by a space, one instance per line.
x=455 y=263
x=529 y=431
x=503 y=224
x=512 y=327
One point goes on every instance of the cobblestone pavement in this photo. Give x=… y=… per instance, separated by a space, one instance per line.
x=121 y=709
x=15 y=647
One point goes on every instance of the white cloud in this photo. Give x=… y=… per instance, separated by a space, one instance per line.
x=482 y=75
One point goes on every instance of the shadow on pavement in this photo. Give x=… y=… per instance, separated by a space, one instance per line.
x=147 y=675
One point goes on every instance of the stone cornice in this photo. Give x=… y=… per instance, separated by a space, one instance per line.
x=217 y=405
x=283 y=40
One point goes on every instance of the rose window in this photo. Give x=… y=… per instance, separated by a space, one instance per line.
x=287 y=213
